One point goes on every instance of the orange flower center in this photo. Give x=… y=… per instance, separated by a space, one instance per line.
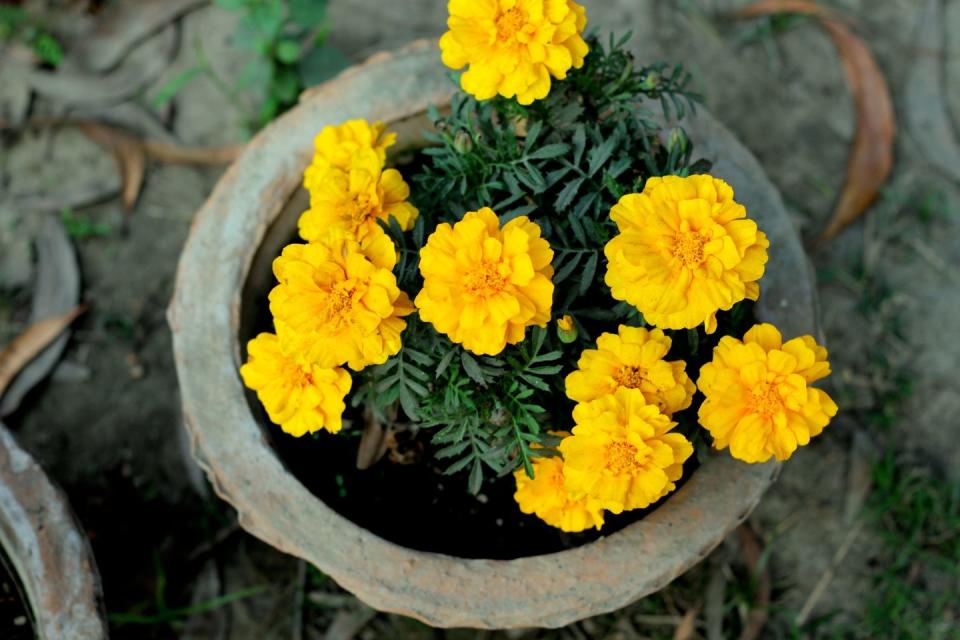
x=357 y=209
x=688 y=249
x=509 y=23
x=630 y=377
x=485 y=281
x=622 y=458
x=766 y=400
x=339 y=304
x=304 y=378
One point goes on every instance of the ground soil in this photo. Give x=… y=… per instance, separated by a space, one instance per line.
x=106 y=425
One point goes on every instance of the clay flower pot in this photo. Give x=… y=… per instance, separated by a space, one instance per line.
x=252 y=212
x=49 y=553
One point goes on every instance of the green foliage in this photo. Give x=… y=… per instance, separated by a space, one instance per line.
x=564 y=161
x=16 y=25
x=80 y=227
x=918 y=517
x=160 y=612
x=287 y=40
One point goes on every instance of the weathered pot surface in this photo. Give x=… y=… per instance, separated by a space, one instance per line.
x=547 y=590
x=49 y=553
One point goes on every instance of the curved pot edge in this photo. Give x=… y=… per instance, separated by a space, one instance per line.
x=48 y=549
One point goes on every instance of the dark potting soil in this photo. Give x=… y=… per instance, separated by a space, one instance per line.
x=15 y=616
x=415 y=506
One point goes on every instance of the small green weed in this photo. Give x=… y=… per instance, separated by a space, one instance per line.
x=287 y=39
x=16 y=25
x=81 y=228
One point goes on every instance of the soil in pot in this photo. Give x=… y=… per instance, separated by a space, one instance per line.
x=15 y=616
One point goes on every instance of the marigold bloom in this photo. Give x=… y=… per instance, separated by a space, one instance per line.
x=335 y=145
x=685 y=251
x=352 y=201
x=338 y=302
x=483 y=285
x=759 y=402
x=545 y=496
x=622 y=452
x=633 y=358
x=301 y=398
x=512 y=47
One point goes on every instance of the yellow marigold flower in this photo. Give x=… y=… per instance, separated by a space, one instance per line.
x=512 y=47
x=352 y=201
x=685 y=251
x=545 y=496
x=633 y=358
x=338 y=301
x=483 y=285
x=336 y=145
x=622 y=452
x=759 y=399
x=301 y=398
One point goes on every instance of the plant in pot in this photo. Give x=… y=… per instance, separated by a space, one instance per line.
x=542 y=308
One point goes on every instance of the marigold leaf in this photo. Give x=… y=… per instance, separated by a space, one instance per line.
x=563 y=273
x=445 y=361
x=476 y=478
x=453 y=449
x=549 y=151
x=589 y=271
x=579 y=143
x=567 y=194
x=409 y=403
x=472 y=368
x=459 y=465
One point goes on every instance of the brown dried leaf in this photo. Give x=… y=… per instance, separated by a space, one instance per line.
x=687 y=628
x=32 y=341
x=129 y=154
x=752 y=555
x=178 y=154
x=770 y=7
x=871 y=158
x=373 y=441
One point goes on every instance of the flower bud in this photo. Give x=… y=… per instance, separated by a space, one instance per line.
x=566 y=329
x=462 y=142
x=678 y=141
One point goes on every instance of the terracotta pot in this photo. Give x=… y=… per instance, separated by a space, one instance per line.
x=49 y=553
x=231 y=230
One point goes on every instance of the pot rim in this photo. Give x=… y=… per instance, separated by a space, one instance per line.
x=49 y=552
x=549 y=590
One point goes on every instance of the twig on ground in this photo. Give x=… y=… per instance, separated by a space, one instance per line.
x=828 y=574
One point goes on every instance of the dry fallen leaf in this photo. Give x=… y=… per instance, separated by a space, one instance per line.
x=373 y=441
x=687 y=628
x=178 y=154
x=32 y=341
x=752 y=555
x=768 y=7
x=871 y=158
x=56 y=290
x=129 y=154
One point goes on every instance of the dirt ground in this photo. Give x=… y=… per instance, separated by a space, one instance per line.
x=106 y=424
